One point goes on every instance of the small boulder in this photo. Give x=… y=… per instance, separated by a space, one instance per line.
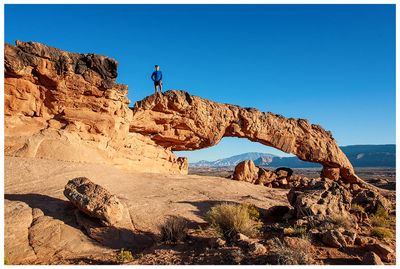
x=240 y=237
x=370 y=200
x=297 y=243
x=94 y=200
x=364 y=240
x=284 y=172
x=383 y=251
x=216 y=242
x=333 y=238
x=370 y=258
x=246 y=171
x=265 y=176
x=257 y=249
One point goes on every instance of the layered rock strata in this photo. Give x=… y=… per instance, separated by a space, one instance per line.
x=67 y=106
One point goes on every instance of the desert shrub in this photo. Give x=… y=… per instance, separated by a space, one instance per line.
x=287 y=256
x=381 y=212
x=381 y=233
x=381 y=218
x=174 y=229
x=357 y=207
x=124 y=256
x=229 y=219
x=298 y=231
x=253 y=211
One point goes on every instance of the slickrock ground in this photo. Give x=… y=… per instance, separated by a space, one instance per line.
x=40 y=224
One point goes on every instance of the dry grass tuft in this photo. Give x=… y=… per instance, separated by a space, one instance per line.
x=174 y=229
x=289 y=256
x=230 y=219
x=381 y=218
x=382 y=233
x=357 y=208
x=298 y=231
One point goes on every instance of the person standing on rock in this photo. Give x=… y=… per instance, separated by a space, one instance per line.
x=157 y=79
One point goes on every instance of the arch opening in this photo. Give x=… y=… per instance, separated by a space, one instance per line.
x=181 y=122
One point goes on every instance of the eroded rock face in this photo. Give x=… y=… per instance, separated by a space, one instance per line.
x=94 y=200
x=66 y=106
x=325 y=199
x=180 y=121
x=371 y=200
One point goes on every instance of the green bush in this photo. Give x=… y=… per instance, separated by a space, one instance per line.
x=254 y=213
x=230 y=219
x=382 y=233
x=381 y=212
x=381 y=218
x=124 y=256
x=174 y=229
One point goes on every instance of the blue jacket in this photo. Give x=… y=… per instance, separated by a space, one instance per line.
x=156 y=76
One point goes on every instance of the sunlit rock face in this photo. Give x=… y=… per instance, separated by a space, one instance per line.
x=180 y=121
x=67 y=106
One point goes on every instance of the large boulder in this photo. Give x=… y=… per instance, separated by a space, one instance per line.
x=371 y=200
x=246 y=171
x=94 y=200
x=325 y=199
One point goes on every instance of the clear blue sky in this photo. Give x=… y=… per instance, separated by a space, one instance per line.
x=331 y=64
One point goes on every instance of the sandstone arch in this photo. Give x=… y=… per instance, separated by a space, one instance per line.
x=179 y=121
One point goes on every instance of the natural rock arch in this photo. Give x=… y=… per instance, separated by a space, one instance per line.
x=179 y=121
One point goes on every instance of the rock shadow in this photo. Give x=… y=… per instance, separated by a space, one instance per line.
x=53 y=207
x=111 y=237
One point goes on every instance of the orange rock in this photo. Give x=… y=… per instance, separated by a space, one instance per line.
x=246 y=171
x=67 y=106
x=179 y=121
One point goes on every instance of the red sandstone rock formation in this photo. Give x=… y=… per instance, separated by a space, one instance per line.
x=67 y=106
x=179 y=121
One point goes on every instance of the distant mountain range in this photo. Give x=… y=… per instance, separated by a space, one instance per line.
x=359 y=156
x=234 y=160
